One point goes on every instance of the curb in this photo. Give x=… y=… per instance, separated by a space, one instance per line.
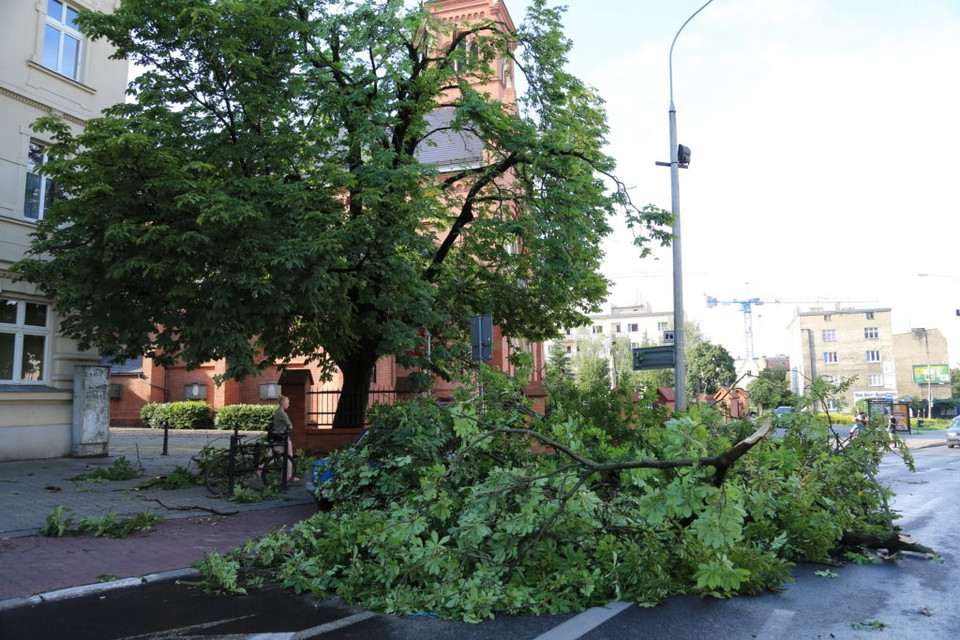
x=99 y=587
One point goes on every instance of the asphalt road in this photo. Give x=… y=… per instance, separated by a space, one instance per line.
x=910 y=597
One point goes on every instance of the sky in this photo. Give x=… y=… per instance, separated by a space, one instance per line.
x=825 y=154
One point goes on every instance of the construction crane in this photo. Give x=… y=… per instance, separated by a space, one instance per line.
x=747 y=307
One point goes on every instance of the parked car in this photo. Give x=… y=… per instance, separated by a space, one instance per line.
x=779 y=413
x=953 y=433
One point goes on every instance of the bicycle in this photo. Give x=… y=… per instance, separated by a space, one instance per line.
x=255 y=465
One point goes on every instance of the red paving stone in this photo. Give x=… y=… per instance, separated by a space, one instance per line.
x=32 y=564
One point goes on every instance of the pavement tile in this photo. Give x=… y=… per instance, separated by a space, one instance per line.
x=195 y=523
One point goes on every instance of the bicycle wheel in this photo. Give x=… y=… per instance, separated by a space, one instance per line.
x=275 y=470
x=216 y=475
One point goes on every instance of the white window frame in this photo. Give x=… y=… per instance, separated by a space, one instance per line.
x=830 y=357
x=20 y=329
x=65 y=30
x=875 y=380
x=871 y=333
x=633 y=327
x=45 y=186
x=873 y=355
x=828 y=335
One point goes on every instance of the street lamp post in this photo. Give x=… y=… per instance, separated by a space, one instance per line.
x=680 y=369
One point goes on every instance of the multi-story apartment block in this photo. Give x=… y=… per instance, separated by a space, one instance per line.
x=859 y=345
x=46 y=67
x=637 y=323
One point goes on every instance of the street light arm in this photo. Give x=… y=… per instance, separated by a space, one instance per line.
x=670 y=61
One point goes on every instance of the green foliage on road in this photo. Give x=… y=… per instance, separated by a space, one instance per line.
x=471 y=511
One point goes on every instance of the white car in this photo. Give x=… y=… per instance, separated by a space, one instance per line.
x=953 y=433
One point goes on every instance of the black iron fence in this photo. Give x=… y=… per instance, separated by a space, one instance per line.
x=322 y=405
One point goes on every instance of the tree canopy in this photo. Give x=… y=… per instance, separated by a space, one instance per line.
x=709 y=367
x=266 y=192
x=770 y=389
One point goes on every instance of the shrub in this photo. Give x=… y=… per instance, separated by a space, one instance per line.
x=189 y=414
x=245 y=417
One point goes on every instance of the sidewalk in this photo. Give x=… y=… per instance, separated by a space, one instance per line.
x=195 y=524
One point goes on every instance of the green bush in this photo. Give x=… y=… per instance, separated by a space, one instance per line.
x=245 y=417
x=189 y=414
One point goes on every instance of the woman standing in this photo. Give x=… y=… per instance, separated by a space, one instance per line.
x=280 y=432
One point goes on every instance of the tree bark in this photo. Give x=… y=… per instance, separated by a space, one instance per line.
x=357 y=371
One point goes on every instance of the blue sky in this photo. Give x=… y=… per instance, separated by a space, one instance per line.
x=825 y=139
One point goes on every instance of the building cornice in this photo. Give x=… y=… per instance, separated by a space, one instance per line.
x=36 y=104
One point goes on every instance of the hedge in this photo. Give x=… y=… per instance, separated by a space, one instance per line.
x=245 y=417
x=189 y=414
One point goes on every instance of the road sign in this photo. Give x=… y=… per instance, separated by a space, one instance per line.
x=654 y=358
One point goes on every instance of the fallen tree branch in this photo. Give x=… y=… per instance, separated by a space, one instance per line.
x=893 y=542
x=194 y=508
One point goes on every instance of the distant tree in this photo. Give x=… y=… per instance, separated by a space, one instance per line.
x=709 y=367
x=770 y=389
x=591 y=365
x=955 y=383
x=558 y=372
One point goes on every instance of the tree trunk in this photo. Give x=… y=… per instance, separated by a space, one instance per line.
x=357 y=370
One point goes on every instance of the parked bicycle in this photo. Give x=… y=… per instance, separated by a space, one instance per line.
x=257 y=465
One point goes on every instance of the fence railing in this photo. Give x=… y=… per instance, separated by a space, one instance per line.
x=322 y=405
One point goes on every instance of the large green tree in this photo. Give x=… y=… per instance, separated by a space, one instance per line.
x=709 y=367
x=770 y=389
x=265 y=192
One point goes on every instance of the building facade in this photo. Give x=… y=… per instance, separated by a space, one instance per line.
x=859 y=345
x=46 y=67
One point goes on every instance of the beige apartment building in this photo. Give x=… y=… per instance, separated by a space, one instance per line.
x=859 y=344
x=46 y=67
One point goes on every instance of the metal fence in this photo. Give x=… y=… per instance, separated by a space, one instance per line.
x=322 y=405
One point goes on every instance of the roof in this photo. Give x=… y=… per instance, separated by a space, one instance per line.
x=446 y=148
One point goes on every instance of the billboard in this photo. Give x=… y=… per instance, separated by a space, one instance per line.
x=931 y=373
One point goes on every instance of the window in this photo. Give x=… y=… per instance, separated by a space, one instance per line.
x=23 y=341
x=828 y=318
x=873 y=355
x=597 y=328
x=828 y=335
x=830 y=357
x=633 y=328
x=871 y=333
x=869 y=315
x=875 y=380
x=40 y=190
x=663 y=326
x=830 y=379
x=616 y=327
x=467 y=54
x=61 y=40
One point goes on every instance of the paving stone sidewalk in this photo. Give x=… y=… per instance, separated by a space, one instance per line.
x=195 y=522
